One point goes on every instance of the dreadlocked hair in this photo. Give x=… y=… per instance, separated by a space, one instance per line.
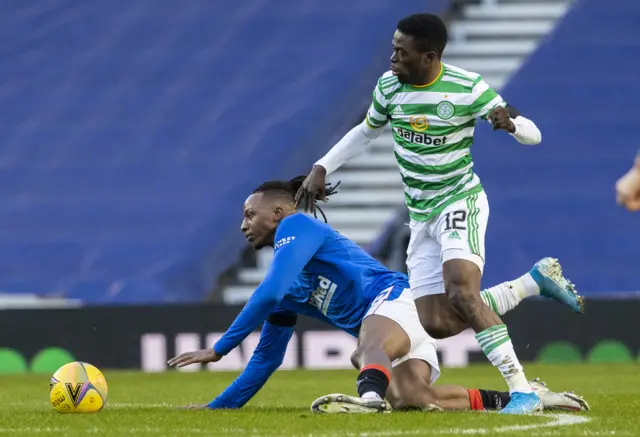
x=289 y=189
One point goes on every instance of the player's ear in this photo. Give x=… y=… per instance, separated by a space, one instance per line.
x=429 y=57
x=278 y=213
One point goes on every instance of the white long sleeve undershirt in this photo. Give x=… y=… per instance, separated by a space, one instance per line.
x=355 y=142
x=526 y=131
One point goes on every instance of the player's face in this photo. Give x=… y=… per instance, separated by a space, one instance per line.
x=261 y=219
x=408 y=63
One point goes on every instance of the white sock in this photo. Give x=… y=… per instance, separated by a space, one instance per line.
x=526 y=286
x=371 y=395
x=506 y=296
x=497 y=346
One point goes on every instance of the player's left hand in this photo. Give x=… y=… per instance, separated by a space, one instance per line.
x=201 y=356
x=500 y=119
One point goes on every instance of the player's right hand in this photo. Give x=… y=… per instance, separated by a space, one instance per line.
x=628 y=189
x=201 y=356
x=313 y=188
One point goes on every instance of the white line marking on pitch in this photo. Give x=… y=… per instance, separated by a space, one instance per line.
x=555 y=420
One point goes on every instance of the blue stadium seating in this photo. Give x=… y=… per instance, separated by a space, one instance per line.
x=132 y=130
x=558 y=199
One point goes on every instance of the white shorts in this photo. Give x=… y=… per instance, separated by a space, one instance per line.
x=456 y=233
x=397 y=304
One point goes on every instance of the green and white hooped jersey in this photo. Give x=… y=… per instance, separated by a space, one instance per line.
x=433 y=129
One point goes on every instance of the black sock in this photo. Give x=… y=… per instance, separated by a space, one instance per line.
x=494 y=400
x=372 y=379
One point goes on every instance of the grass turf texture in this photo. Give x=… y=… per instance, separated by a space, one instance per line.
x=142 y=404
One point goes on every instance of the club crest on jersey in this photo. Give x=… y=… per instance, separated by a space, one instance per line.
x=445 y=110
x=419 y=123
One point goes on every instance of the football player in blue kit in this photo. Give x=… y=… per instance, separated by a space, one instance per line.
x=319 y=273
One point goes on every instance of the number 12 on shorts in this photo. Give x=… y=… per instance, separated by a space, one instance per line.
x=455 y=220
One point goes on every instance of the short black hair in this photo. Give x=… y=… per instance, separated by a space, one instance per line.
x=289 y=189
x=286 y=189
x=428 y=30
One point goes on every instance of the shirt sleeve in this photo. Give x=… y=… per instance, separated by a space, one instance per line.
x=485 y=99
x=377 y=115
x=355 y=142
x=266 y=359
x=297 y=239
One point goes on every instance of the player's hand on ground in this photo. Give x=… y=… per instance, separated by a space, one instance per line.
x=201 y=356
x=628 y=189
x=500 y=119
x=313 y=188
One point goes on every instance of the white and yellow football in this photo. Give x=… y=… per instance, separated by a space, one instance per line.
x=78 y=388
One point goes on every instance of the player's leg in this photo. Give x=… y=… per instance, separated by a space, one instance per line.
x=413 y=390
x=441 y=320
x=460 y=230
x=386 y=334
x=413 y=376
x=416 y=374
x=544 y=279
x=381 y=340
x=437 y=315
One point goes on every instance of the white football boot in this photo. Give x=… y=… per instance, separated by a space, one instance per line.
x=566 y=401
x=339 y=403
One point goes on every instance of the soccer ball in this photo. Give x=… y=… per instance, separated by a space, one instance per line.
x=78 y=388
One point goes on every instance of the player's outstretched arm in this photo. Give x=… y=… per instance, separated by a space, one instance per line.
x=266 y=359
x=297 y=239
x=357 y=140
x=354 y=143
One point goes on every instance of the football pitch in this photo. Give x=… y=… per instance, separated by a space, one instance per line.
x=144 y=404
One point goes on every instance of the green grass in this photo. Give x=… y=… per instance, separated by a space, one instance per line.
x=281 y=409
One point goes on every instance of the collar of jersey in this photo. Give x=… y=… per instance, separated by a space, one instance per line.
x=433 y=81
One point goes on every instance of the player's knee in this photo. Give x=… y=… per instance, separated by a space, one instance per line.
x=356 y=358
x=460 y=289
x=462 y=300
x=438 y=317
x=361 y=351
